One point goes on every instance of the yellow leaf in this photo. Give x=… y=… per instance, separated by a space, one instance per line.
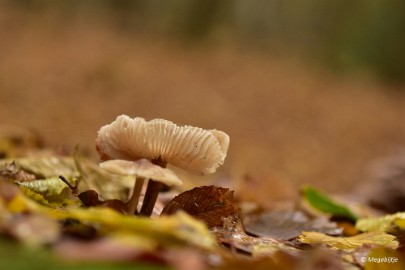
x=45 y=201
x=350 y=243
x=178 y=229
x=384 y=223
x=48 y=187
x=400 y=222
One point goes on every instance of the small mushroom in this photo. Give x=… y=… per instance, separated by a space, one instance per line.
x=142 y=169
x=160 y=141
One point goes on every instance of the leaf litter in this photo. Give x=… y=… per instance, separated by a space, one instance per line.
x=201 y=228
x=208 y=203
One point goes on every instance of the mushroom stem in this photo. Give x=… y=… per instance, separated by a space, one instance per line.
x=133 y=201
x=152 y=192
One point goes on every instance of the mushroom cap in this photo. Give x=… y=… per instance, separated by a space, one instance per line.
x=142 y=168
x=190 y=148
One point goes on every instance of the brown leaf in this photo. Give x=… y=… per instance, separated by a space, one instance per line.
x=232 y=235
x=286 y=224
x=208 y=203
x=14 y=172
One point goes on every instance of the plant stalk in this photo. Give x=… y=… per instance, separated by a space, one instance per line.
x=133 y=201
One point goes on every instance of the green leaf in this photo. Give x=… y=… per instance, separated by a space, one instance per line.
x=350 y=243
x=385 y=223
x=322 y=202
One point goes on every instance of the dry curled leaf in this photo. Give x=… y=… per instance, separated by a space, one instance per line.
x=208 y=203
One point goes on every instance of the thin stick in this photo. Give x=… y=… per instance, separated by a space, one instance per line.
x=73 y=188
x=133 y=201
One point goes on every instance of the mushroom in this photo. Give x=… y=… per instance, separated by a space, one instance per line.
x=190 y=148
x=142 y=169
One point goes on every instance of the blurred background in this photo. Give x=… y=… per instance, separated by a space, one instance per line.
x=309 y=91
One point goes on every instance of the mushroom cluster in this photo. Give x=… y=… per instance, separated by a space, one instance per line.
x=134 y=146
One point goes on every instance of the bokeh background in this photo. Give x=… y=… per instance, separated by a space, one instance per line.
x=309 y=91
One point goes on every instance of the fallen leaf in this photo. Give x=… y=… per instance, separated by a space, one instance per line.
x=325 y=204
x=233 y=235
x=39 y=198
x=400 y=222
x=352 y=242
x=13 y=172
x=286 y=224
x=175 y=230
x=208 y=203
x=108 y=186
x=51 y=192
x=48 y=166
x=47 y=187
x=385 y=223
